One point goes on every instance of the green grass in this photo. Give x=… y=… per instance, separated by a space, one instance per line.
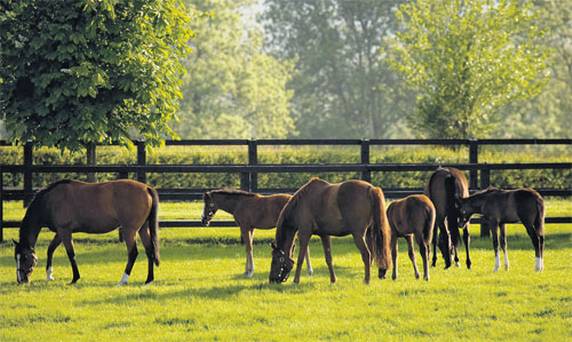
x=199 y=293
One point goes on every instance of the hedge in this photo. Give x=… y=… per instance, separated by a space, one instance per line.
x=557 y=179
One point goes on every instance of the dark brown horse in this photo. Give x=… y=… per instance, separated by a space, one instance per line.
x=250 y=211
x=353 y=207
x=445 y=184
x=413 y=216
x=499 y=207
x=69 y=206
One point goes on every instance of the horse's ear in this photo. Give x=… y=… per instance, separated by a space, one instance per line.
x=15 y=243
x=273 y=245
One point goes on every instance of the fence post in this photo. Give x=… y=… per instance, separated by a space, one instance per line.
x=253 y=160
x=485 y=182
x=91 y=161
x=365 y=175
x=141 y=161
x=1 y=205
x=473 y=159
x=28 y=161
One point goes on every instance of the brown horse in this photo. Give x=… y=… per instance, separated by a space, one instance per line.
x=413 y=216
x=250 y=211
x=69 y=206
x=445 y=184
x=508 y=206
x=353 y=207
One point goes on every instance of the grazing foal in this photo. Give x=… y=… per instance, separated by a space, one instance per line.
x=508 y=206
x=250 y=211
x=413 y=216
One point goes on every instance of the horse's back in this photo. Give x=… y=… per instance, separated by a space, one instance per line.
x=262 y=211
x=410 y=214
x=438 y=190
x=91 y=207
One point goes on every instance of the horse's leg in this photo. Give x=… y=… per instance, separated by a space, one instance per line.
x=365 y=255
x=424 y=250
x=411 y=253
x=435 y=233
x=493 y=225
x=503 y=245
x=536 y=244
x=328 y=255
x=51 y=249
x=148 y=244
x=467 y=241
x=394 y=250
x=129 y=238
x=245 y=235
x=446 y=240
x=304 y=240
x=308 y=263
x=68 y=244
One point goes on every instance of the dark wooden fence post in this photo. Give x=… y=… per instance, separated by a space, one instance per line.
x=1 y=205
x=485 y=182
x=365 y=175
x=253 y=160
x=91 y=161
x=28 y=162
x=141 y=161
x=473 y=159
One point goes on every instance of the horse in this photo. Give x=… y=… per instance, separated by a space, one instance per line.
x=444 y=185
x=70 y=206
x=250 y=211
x=352 y=207
x=412 y=216
x=499 y=207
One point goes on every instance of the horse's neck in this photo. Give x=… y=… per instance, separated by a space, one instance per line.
x=477 y=203
x=30 y=228
x=228 y=203
x=285 y=238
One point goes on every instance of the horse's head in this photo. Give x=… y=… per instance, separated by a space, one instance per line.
x=209 y=209
x=281 y=265
x=26 y=260
x=464 y=211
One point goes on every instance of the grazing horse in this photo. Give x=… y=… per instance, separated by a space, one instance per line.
x=69 y=206
x=413 y=216
x=250 y=211
x=445 y=184
x=508 y=206
x=353 y=207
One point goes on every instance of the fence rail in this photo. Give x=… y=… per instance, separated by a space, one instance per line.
x=479 y=173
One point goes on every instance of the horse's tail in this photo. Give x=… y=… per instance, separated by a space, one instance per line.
x=452 y=192
x=380 y=233
x=154 y=224
x=429 y=223
x=539 y=221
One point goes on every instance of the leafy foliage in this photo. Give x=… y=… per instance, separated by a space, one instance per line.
x=234 y=89
x=467 y=59
x=342 y=85
x=91 y=71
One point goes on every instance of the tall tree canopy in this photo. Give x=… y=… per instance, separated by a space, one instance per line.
x=233 y=88
x=342 y=85
x=91 y=71
x=467 y=59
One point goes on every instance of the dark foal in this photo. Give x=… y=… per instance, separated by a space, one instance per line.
x=250 y=211
x=68 y=206
x=499 y=207
x=412 y=217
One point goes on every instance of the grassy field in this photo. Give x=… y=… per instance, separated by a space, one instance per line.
x=200 y=294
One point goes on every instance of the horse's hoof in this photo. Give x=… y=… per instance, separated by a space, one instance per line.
x=120 y=284
x=446 y=267
x=426 y=278
x=417 y=276
x=457 y=264
x=148 y=282
x=248 y=274
x=310 y=272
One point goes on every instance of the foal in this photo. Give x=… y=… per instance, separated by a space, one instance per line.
x=413 y=216
x=508 y=206
x=250 y=211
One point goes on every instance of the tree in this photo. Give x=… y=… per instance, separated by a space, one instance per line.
x=78 y=72
x=234 y=89
x=342 y=85
x=466 y=60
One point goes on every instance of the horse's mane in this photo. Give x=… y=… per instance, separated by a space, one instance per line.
x=38 y=196
x=230 y=191
x=485 y=191
x=293 y=201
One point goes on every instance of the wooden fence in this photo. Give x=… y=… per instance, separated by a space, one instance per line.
x=479 y=173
